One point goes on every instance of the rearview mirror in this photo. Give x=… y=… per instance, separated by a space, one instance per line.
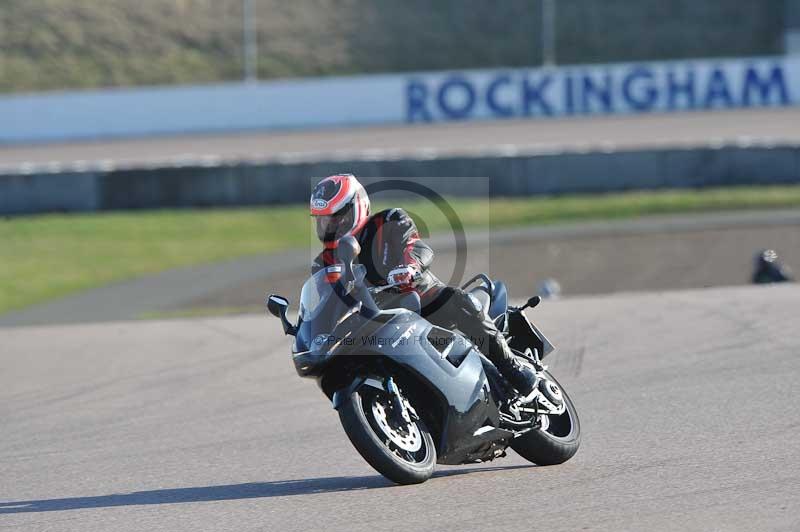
x=347 y=249
x=277 y=306
x=532 y=302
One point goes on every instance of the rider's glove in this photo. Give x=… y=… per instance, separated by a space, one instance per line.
x=403 y=277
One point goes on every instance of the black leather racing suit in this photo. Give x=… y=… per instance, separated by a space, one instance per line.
x=390 y=240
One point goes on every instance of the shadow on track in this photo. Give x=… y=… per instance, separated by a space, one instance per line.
x=252 y=490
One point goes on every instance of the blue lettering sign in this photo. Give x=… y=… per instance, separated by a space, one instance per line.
x=764 y=87
x=416 y=96
x=456 y=88
x=497 y=108
x=533 y=96
x=600 y=92
x=637 y=88
x=717 y=90
x=676 y=89
x=645 y=98
x=569 y=95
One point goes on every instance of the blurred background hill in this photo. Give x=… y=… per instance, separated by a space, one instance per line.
x=60 y=44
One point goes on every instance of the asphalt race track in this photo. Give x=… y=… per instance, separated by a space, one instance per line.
x=688 y=401
x=682 y=130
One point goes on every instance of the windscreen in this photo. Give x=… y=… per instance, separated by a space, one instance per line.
x=319 y=288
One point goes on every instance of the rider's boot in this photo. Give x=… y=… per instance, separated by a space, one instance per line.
x=521 y=376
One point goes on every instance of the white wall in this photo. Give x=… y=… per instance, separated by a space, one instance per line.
x=401 y=98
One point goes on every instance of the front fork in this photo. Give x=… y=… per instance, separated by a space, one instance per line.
x=401 y=408
x=400 y=405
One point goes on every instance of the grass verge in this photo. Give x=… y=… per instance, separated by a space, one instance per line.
x=47 y=256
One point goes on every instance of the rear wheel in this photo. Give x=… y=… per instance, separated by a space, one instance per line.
x=402 y=452
x=558 y=438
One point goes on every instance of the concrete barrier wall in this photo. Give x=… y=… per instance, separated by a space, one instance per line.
x=520 y=175
x=535 y=93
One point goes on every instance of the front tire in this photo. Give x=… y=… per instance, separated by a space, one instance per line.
x=557 y=441
x=405 y=455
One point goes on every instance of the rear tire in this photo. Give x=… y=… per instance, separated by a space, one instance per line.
x=363 y=428
x=557 y=442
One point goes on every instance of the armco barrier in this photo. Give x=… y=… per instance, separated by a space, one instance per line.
x=280 y=182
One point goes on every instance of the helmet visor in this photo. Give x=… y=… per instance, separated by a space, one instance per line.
x=334 y=226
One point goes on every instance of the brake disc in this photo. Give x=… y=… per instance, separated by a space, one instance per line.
x=551 y=391
x=407 y=438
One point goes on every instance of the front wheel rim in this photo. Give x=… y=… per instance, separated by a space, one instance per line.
x=407 y=443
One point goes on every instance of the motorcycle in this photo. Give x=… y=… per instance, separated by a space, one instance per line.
x=409 y=394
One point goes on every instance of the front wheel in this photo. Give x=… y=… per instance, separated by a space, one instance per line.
x=558 y=438
x=400 y=451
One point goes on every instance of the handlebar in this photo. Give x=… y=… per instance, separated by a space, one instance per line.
x=531 y=303
x=378 y=289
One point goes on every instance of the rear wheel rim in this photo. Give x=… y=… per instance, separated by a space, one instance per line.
x=559 y=427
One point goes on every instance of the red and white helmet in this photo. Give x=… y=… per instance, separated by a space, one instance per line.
x=340 y=206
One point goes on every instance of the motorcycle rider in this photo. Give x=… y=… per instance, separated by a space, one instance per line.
x=393 y=253
x=769 y=269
